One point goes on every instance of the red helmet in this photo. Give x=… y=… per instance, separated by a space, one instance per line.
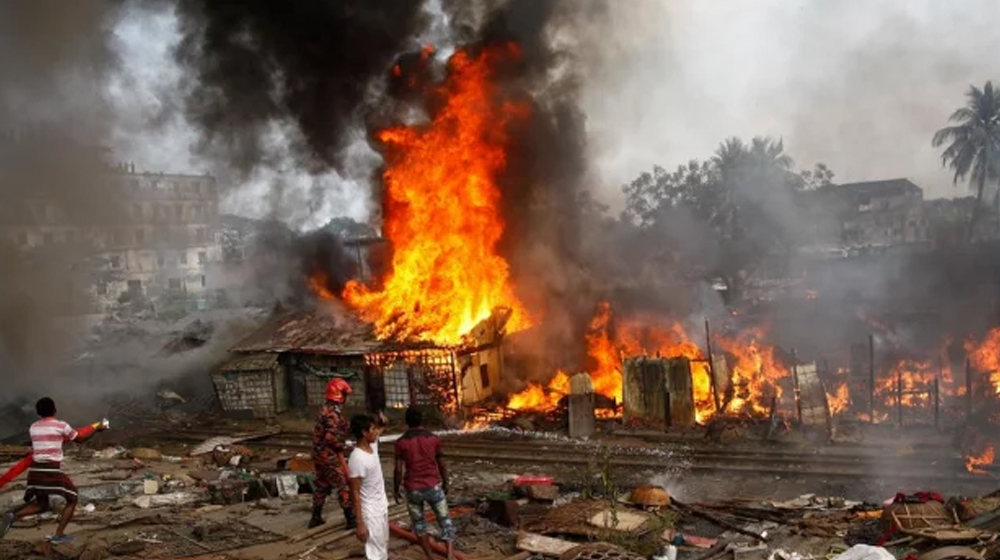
x=337 y=390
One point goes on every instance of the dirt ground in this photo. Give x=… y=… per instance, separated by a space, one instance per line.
x=164 y=504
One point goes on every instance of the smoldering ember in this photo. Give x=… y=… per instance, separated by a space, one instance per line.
x=248 y=247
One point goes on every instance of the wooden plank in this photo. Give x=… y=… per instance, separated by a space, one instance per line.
x=644 y=392
x=681 y=392
x=540 y=544
x=582 y=423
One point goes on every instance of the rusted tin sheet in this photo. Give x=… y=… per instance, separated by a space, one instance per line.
x=813 y=407
x=659 y=390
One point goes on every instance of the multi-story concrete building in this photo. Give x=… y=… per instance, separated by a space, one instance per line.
x=130 y=238
x=869 y=214
x=166 y=247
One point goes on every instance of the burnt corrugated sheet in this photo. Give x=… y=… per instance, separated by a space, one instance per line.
x=252 y=362
x=311 y=332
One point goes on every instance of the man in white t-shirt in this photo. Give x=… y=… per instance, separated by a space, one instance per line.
x=371 y=505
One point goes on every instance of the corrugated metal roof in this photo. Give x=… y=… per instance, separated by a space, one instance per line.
x=312 y=332
x=885 y=187
x=251 y=362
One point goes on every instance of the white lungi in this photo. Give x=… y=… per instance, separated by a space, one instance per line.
x=377 y=545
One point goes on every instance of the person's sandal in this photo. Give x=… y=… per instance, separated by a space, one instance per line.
x=62 y=539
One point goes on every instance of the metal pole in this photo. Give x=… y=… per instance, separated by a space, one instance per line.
x=711 y=366
x=361 y=264
x=871 y=379
x=899 y=398
x=455 y=382
x=968 y=390
x=937 y=400
x=795 y=381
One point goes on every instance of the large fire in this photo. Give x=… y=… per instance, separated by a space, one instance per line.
x=756 y=374
x=602 y=350
x=537 y=397
x=984 y=357
x=442 y=213
x=610 y=339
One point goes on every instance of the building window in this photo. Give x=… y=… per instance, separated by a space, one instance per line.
x=116 y=262
x=135 y=286
x=119 y=238
x=200 y=235
x=102 y=289
x=183 y=257
x=174 y=283
x=202 y=257
x=484 y=375
x=48 y=237
x=179 y=211
x=197 y=187
x=140 y=236
x=202 y=280
x=160 y=259
x=137 y=211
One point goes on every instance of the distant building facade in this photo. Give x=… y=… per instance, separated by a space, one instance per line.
x=868 y=214
x=146 y=239
x=167 y=248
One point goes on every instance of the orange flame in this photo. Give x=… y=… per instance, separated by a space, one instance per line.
x=915 y=379
x=536 y=397
x=442 y=213
x=756 y=375
x=975 y=463
x=985 y=356
x=318 y=282
x=607 y=374
x=839 y=399
x=608 y=340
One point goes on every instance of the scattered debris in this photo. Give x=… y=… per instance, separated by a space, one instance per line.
x=627 y=521
x=540 y=544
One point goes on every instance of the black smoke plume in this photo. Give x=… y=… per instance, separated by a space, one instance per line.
x=545 y=199
x=254 y=64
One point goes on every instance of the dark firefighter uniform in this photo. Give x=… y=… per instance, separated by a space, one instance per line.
x=329 y=454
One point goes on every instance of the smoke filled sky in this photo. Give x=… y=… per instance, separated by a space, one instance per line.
x=860 y=85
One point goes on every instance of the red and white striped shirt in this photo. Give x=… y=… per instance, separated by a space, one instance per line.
x=47 y=437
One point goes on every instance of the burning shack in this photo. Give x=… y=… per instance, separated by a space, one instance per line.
x=305 y=349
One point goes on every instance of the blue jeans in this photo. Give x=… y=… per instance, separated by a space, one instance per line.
x=435 y=498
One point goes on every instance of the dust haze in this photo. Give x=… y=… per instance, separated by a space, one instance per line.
x=859 y=85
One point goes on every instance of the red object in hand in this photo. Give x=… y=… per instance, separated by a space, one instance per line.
x=24 y=463
x=88 y=430
x=16 y=470
x=526 y=480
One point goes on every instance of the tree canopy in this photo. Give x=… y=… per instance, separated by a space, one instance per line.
x=731 y=210
x=973 y=143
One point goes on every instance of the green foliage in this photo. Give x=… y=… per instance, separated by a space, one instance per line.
x=739 y=204
x=973 y=142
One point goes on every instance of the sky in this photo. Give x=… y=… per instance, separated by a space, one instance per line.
x=860 y=85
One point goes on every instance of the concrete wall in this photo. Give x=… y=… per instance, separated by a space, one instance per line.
x=159 y=240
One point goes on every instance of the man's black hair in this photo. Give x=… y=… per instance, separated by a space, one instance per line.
x=360 y=424
x=414 y=418
x=45 y=407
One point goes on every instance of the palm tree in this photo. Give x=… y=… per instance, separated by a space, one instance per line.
x=973 y=142
x=767 y=152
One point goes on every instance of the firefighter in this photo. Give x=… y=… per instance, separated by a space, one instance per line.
x=329 y=454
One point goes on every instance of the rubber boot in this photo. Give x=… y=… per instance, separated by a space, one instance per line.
x=350 y=521
x=317 y=518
